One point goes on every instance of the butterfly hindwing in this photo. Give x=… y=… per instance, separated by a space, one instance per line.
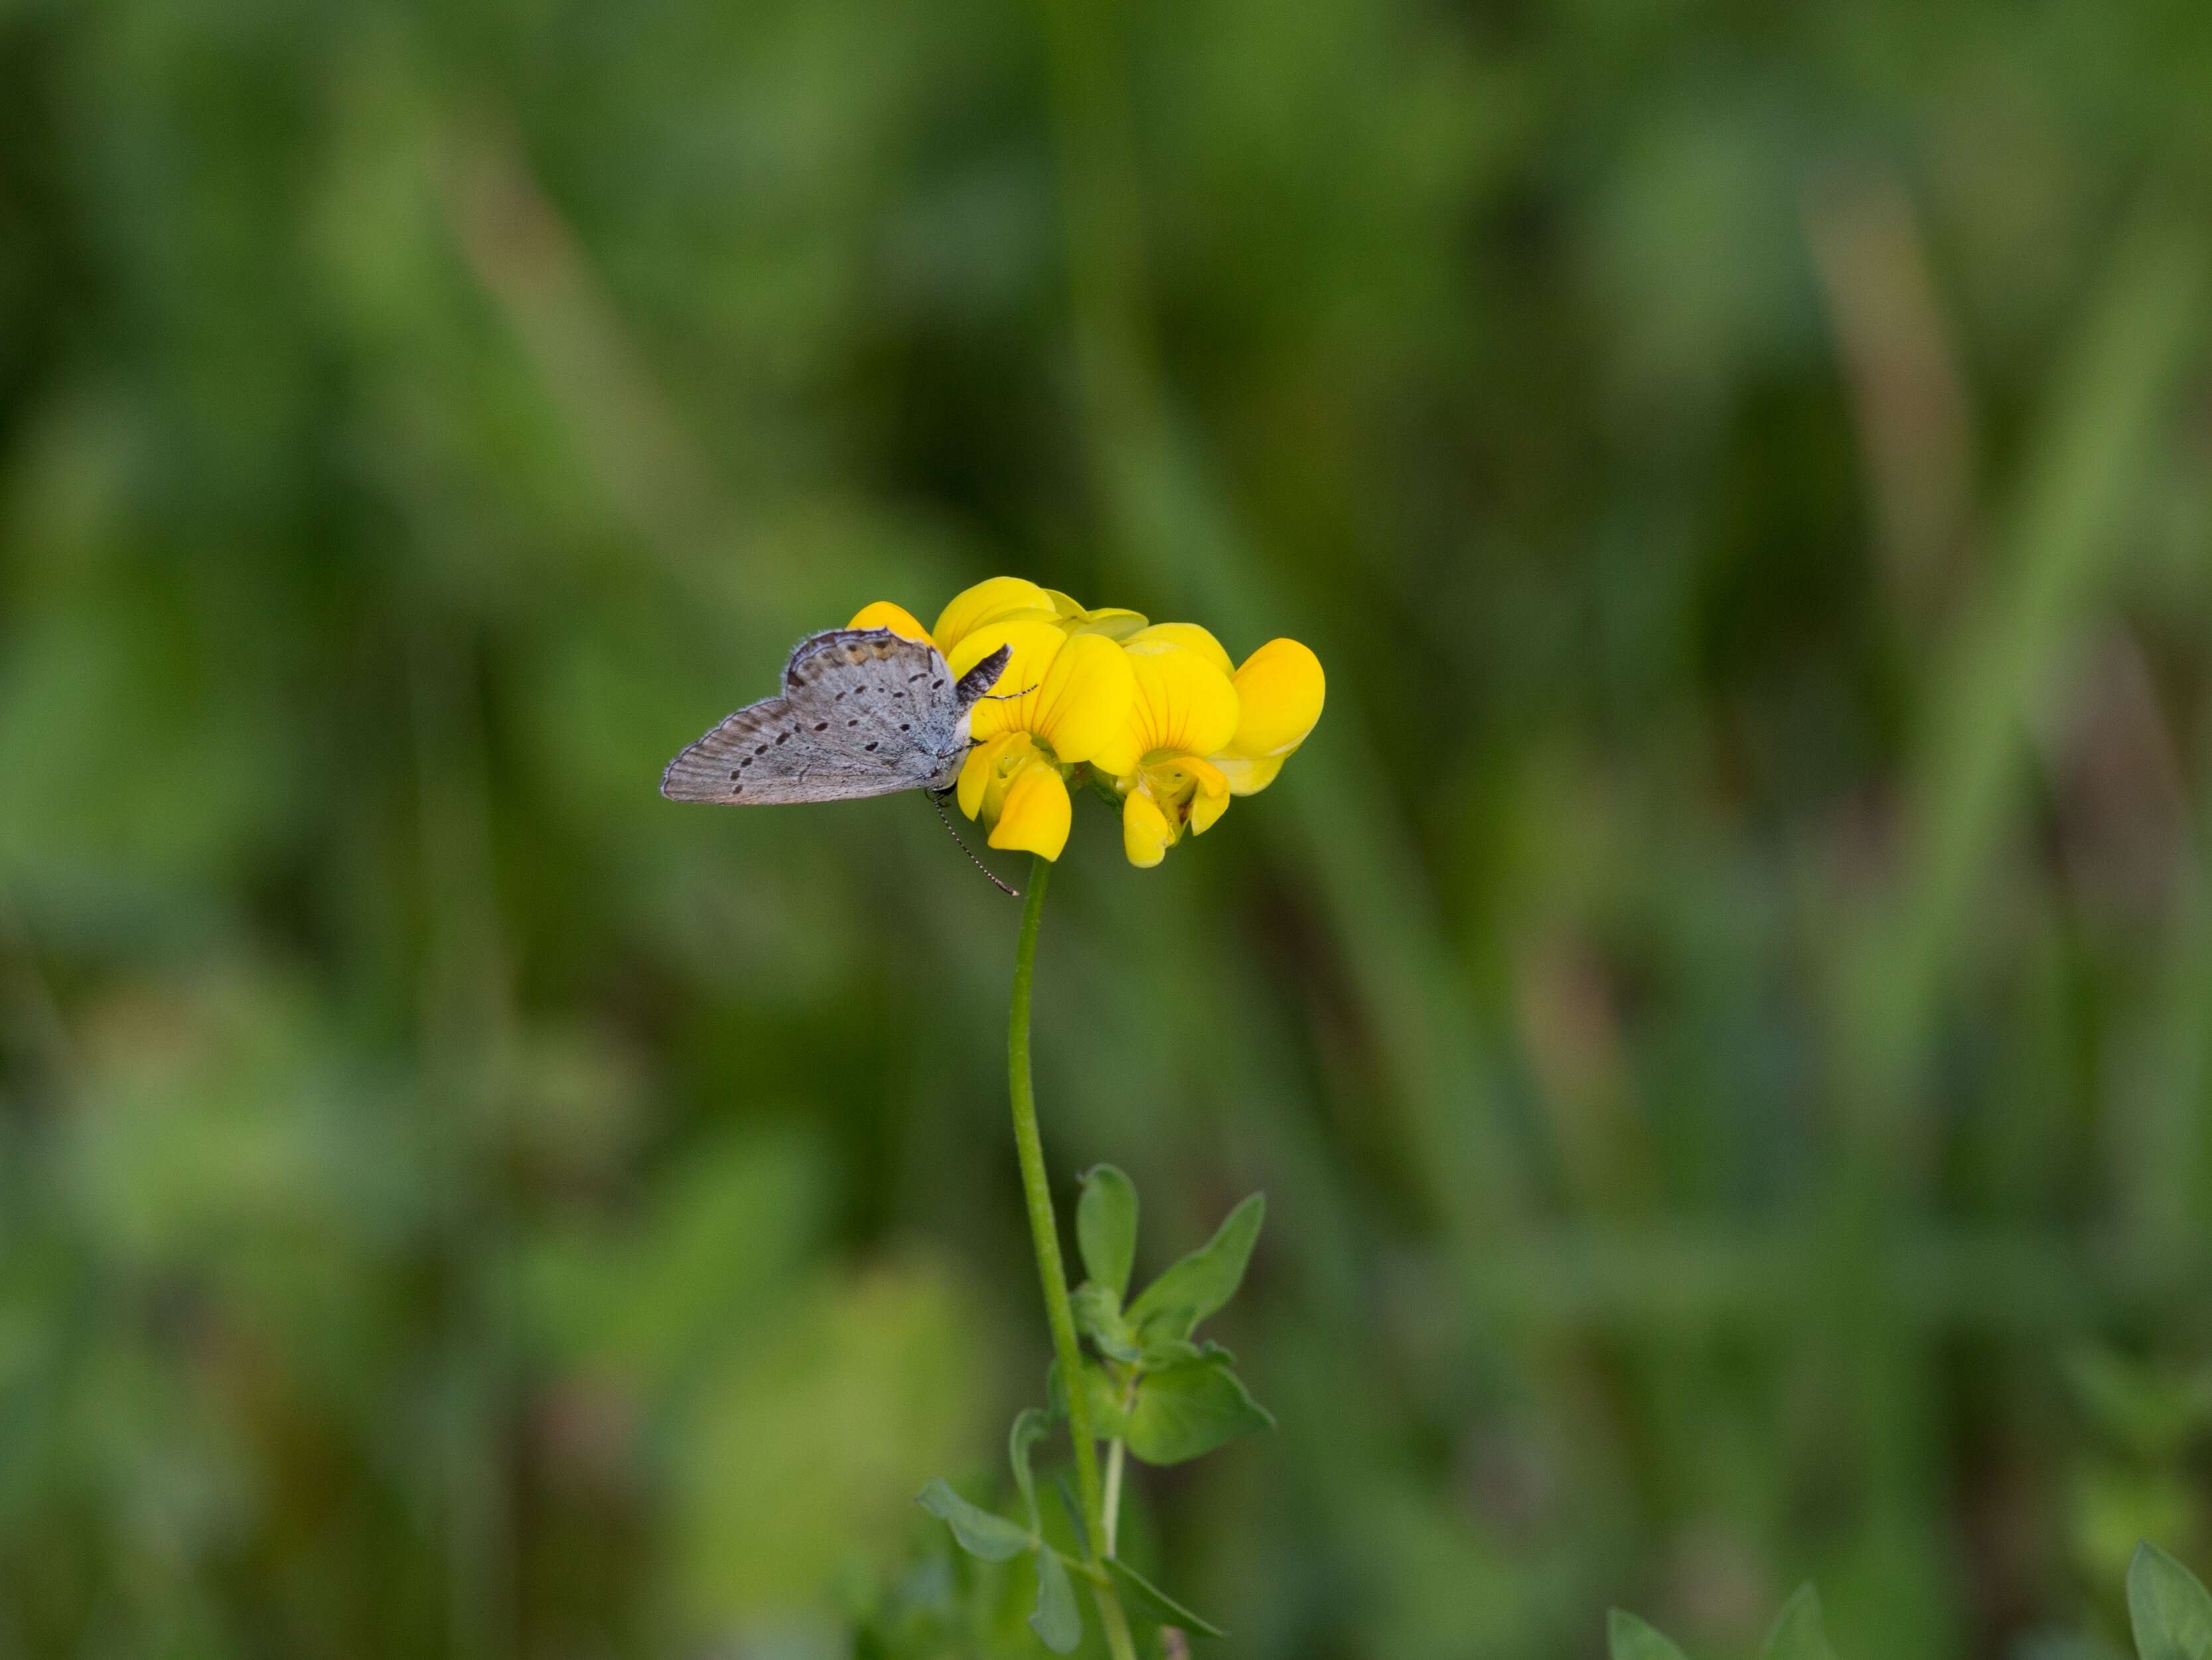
x=864 y=712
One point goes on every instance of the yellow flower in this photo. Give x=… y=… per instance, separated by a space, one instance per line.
x=1157 y=708
x=1200 y=731
x=1184 y=710
x=1066 y=694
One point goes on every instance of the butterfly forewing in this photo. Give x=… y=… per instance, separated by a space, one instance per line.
x=864 y=712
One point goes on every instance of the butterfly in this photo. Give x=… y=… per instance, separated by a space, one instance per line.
x=863 y=712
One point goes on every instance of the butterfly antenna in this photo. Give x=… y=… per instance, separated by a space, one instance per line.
x=938 y=801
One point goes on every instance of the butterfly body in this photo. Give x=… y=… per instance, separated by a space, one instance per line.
x=863 y=712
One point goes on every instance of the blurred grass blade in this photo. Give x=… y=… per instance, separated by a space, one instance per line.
x=2063 y=543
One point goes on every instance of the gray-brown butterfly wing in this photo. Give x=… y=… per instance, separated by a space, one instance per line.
x=864 y=712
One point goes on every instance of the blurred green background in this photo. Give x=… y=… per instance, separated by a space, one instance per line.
x=1721 y=1009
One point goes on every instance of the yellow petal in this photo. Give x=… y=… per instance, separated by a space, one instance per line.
x=1117 y=757
x=1186 y=634
x=1211 y=798
x=1084 y=699
x=1189 y=792
x=1035 y=646
x=1112 y=621
x=884 y=615
x=1146 y=831
x=1245 y=776
x=1036 y=814
x=1280 y=691
x=1182 y=705
x=995 y=600
x=982 y=770
x=974 y=774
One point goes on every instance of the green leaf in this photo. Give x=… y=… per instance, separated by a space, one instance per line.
x=1798 y=1634
x=2173 y=1615
x=1106 y=1228
x=1158 y=1354
x=1098 y=1314
x=1029 y=1429
x=980 y=1532
x=1155 y=1604
x=1189 y=1409
x=1628 y=1637
x=1204 y=1281
x=1057 y=1622
x=1100 y=1394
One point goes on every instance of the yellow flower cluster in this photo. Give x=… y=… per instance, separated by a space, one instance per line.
x=1157 y=712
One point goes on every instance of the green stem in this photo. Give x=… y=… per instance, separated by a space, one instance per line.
x=1114 y=1455
x=1044 y=1231
x=1119 y=1643
x=1115 y=1452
